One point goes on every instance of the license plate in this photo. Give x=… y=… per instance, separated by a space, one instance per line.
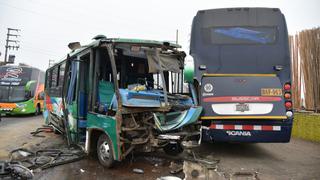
x=271 y=92
x=3 y=114
x=242 y=107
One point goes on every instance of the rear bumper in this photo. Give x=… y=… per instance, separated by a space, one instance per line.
x=271 y=134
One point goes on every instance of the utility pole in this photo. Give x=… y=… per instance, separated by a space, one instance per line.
x=177 y=36
x=10 y=41
x=51 y=62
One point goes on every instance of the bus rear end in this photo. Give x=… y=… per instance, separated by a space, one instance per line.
x=246 y=108
x=242 y=74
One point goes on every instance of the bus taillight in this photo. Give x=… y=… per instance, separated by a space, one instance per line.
x=288 y=105
x=287 y=95
x=287 y=87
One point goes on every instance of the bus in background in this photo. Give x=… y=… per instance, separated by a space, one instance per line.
x=241 y=74
x=21 y=90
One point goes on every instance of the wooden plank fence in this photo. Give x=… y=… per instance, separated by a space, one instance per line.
x=305 y=57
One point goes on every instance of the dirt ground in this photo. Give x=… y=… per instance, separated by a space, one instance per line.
x=295 y=160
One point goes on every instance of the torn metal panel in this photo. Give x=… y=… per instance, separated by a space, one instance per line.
x=166 y=62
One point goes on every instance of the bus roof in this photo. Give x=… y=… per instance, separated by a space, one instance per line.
x=102 y=39
x=149 y=43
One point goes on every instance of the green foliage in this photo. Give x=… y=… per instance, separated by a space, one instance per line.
x=307 y=126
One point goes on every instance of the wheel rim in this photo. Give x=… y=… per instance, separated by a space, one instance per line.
x=104 y=151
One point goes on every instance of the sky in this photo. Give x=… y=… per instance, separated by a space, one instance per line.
x=47 y=26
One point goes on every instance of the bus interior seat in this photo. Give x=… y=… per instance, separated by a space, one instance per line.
x=105 y=95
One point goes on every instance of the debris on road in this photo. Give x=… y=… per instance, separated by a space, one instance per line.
x=200 y=171
x=14 y=170
x=169 y=178
x=244 y=174
x=138 y=171
x=175 y=167
x=23 y=162
x=44 y=128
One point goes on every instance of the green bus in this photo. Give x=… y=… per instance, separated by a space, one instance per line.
x=116 y=96
x=21 y=90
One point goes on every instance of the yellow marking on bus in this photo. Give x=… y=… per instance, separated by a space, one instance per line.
x=239 y=75
x=243 y=117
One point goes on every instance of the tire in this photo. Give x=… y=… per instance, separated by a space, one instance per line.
x=173 y=149
x=38 y=110
x=105 y=151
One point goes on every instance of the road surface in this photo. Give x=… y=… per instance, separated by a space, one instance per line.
x=298 y=159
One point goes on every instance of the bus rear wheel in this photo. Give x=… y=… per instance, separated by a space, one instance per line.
x=105 y=151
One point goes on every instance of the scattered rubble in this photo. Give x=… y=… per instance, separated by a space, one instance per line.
x=169 y=178
x=138 y=171
x=23 y=162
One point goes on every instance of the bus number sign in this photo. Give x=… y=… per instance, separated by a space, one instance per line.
x=271 y=92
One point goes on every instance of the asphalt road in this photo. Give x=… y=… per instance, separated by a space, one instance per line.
x=298 y=159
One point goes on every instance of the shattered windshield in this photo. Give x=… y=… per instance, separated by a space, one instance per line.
x=243 y=35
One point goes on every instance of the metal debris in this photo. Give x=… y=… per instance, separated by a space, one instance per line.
x=175 y=168
x=45 y=128
x=200 y=171
x=169 y=178
x=14 y=170
x=24 y=162
x=244 y=174
x=138 y=171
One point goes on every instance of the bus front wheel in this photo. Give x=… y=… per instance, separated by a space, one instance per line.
x=38 y=110
x=173 y=148
x=105 y=151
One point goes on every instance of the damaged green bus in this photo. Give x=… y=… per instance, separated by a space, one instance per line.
x=116 y=96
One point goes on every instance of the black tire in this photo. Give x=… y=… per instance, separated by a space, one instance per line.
x=105 y=151
x=38 y=110
x=173 y=149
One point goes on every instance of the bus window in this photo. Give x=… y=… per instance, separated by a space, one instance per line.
x=243 y=35
x=48 y=79
x=54 y=77
x=61 y=74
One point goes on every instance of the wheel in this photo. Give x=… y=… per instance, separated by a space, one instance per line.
x=105 y=151
x=38 y=110
x=173 y=149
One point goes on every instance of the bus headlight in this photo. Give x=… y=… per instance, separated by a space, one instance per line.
x=208 y=87
x=289 y=114
x=21 y=105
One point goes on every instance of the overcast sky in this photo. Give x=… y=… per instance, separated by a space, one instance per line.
x=47 y=26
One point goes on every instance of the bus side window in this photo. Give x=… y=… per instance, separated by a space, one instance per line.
x=48 y=79
x=61 y=77
x=54 y=76
x=32 y=89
